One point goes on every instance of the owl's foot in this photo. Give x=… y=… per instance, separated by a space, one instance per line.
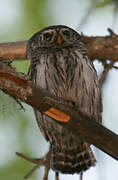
x=56 y=176
x=39 y=162
x=81 y=176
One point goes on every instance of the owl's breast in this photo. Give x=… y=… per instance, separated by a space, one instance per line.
x=67 y=74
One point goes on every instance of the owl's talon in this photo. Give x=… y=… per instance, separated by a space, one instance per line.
x=81 y=176
x=39 y=162
x=57 y=176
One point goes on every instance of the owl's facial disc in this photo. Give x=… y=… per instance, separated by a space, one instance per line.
x=58 y=37
x=54 y=37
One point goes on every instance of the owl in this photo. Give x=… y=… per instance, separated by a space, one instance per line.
x=60 y=65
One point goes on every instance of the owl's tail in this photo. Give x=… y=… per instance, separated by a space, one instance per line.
x=72 y=158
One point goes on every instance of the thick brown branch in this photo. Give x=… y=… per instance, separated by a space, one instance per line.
x=13 y=50
x=101 y=48
x=18 y=86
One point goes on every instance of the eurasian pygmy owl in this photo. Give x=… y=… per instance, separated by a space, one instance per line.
x=59 y=64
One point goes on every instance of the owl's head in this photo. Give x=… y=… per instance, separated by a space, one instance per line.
x=54 y=37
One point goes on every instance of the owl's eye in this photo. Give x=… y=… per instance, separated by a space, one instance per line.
x=47 y=36
x=66 y=34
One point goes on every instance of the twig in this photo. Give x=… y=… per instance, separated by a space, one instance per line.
x=112 y=34
x=105 y=72
x=35 y=161
x=39 y=162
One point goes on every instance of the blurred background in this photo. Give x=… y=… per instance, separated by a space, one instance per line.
x=19 y=20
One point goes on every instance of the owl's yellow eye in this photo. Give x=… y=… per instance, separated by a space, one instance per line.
x=47 y=36
x=66 y=34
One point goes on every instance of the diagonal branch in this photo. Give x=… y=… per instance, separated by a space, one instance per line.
x=18 y=86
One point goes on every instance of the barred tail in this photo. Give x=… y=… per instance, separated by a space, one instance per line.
x=72 y=160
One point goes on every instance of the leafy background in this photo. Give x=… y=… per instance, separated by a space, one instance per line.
x=19 y=20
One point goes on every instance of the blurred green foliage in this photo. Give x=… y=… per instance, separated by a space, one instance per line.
x=29 y=19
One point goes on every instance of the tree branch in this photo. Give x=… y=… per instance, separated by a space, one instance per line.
x=13 y=50
x=101 y=48
x=19 y=86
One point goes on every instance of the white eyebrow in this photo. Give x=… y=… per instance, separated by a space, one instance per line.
x=48 y=31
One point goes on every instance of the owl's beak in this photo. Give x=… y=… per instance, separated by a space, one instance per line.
x=59 y=40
